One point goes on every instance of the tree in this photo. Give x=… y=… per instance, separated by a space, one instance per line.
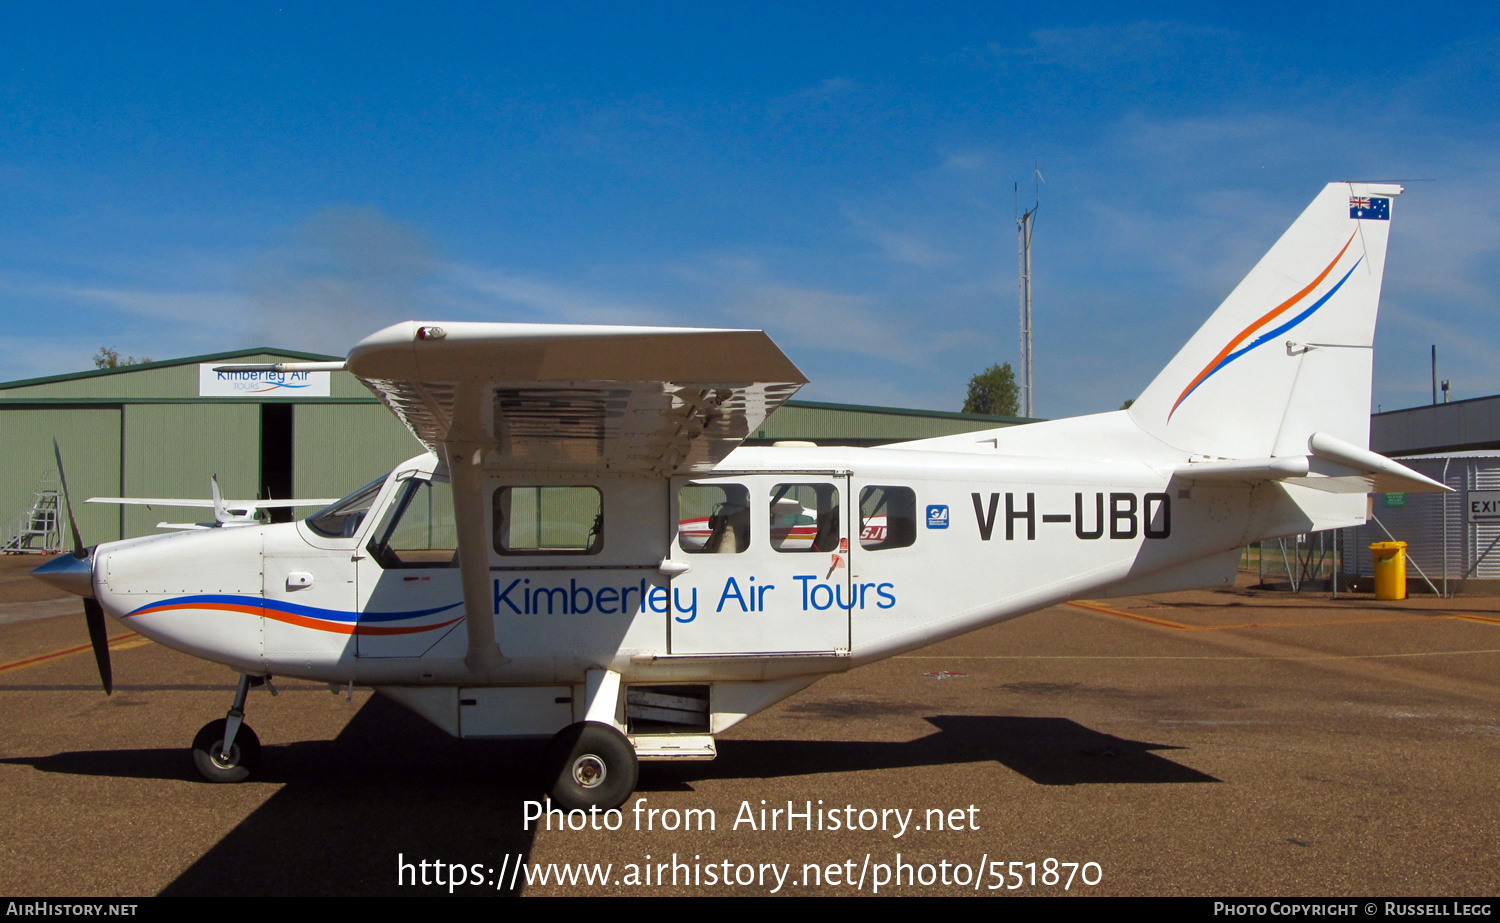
x=107 y=358
x=993 y=391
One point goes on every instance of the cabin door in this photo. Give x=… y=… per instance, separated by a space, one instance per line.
x=409 y=585
x=766 y=560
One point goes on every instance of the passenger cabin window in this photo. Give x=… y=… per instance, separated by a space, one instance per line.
x=805 y=517
x=419 y=530
x=713 y=518
x=549 y=520
x=342 y=519
x=887 y=517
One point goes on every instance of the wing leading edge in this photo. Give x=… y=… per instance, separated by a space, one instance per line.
x=583 y=398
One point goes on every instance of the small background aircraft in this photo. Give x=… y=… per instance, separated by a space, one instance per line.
x=586 y=553
x=227 y=513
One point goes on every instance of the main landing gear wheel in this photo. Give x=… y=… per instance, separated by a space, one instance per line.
x=590 y=765
x=208 y=753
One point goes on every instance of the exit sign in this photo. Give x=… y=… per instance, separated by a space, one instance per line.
x=1484 y=505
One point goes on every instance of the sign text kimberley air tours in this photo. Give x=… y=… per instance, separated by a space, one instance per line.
x=260 y=384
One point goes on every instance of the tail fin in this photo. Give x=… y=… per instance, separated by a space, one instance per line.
x=1288 y=353
x=221 y=515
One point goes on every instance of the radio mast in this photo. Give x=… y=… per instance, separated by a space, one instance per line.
x=1023 y=231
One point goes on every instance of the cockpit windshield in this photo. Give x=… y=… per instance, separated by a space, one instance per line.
x=342 y=519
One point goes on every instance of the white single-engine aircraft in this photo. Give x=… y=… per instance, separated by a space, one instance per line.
x=228 y=514
x=587 y=553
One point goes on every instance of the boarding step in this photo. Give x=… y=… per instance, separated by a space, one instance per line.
x=674 y=747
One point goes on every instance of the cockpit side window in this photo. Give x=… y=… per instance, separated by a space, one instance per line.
x=342 y=519
x=419 y=530
x=548 y=520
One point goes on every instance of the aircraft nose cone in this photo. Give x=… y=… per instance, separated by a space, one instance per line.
x=75 y=575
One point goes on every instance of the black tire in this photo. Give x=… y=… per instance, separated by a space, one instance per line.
x=590 y=765
x=243 y=758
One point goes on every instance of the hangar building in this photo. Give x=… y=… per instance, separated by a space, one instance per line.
x=1453 y=540
x=160 y=429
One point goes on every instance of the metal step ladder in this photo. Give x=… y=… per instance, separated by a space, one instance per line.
x=38 y=529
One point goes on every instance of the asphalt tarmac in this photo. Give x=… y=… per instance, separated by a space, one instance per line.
x=1210 y=743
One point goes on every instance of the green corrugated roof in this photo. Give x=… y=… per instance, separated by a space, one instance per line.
x=168 y=363
x=998 y=419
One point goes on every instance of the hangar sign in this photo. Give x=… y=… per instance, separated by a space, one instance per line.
x=257 y=384
x=1484 y=505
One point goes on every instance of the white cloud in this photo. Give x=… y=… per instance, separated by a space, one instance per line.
x=914 y=248
x=874 y=386
x=509 y=294
x=217 y=308
x=820 y=319
x=342 y=274
x=965 y=161
x=24 y=357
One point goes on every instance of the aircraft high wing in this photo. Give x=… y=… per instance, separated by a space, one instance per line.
x=587 y=552
x=543 y=397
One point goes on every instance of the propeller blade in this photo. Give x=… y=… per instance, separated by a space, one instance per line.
x=78 y=551
x=94 y=614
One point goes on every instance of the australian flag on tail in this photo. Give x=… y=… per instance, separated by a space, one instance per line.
x=1370 y=208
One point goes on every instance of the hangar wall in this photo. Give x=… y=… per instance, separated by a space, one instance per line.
x=341 y=446
x=147 y=431
x=1459 y=426
x=87 y=433
x=170 y=450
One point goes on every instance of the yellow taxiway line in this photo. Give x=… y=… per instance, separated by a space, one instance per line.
x=1092 y=606
x=114 y=644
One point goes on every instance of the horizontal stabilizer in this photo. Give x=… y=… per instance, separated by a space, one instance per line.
x=1384 y=475
x=1332 y=465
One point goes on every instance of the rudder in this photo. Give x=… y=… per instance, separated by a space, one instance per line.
x=1288 y=353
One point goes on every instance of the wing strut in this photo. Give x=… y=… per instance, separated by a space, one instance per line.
x=484 y=656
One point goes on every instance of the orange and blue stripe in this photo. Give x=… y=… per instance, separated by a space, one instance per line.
x=1229 y=353
x=339 y=621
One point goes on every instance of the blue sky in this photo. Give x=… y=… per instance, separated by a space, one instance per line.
x=181 y=179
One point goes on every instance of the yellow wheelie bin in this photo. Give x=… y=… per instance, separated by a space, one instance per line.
x=1390 y=569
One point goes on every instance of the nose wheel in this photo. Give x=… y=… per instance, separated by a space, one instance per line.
x=227 y=750
x=215 y=764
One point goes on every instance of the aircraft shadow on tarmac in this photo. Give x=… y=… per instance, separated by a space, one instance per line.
x=390 y=784
x=1048 y=751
